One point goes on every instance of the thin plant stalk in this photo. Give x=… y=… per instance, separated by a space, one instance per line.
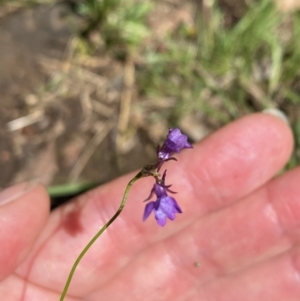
x=138 y=176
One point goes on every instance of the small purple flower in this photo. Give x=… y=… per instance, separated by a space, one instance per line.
x=174 y=143
x=165 y=206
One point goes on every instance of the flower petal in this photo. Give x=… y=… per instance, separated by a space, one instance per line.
x=148 y=209
x=167 y=206
x=176 y=140
x=174 y=143
x=160 y=217
x=176 y=206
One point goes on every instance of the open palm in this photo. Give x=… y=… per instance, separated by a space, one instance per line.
x=236 y=240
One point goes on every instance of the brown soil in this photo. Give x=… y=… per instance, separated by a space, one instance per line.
x=68 y=130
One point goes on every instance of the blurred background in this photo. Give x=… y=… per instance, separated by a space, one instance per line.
x=88 y=88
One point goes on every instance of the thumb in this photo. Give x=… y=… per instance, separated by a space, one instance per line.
x=24 y=210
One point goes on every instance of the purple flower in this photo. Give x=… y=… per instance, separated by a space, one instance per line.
x=165 y=206
x=174 y=143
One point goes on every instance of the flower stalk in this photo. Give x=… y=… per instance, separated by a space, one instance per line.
x=83 y=252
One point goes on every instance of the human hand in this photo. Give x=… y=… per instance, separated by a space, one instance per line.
x=236 y=240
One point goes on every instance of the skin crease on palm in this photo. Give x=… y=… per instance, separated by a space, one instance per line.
x=236 y=240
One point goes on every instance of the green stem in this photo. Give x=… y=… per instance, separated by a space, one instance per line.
x=138 y=176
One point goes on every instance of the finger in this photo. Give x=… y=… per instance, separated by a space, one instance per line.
x=227 y=165
x=24 y=209
x=236 y=160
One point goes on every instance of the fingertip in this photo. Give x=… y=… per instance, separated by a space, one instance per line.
x=277 y=113
x=275 y=134
x=262 y=133
x=24 y=211
x=273 y=130
x=276 y=118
